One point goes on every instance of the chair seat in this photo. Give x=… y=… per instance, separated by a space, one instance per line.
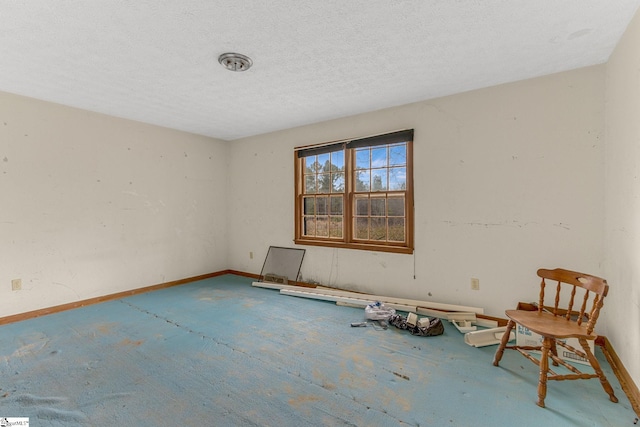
x=546 y=324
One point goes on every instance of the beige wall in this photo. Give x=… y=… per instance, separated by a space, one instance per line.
x=507 y=179
x=622 y=246
x=93 y=205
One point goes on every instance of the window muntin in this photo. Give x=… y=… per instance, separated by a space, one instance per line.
x=356 y=194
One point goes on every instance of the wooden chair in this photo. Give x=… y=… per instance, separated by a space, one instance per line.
x=556 y=323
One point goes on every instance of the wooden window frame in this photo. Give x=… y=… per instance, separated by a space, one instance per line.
x=348 y=239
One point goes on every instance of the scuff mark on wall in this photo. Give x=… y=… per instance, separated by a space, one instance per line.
x=68 y=287
x=562 y=225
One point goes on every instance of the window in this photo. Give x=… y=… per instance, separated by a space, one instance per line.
x=356 y=193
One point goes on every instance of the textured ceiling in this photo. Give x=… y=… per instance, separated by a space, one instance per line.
x=155 y=61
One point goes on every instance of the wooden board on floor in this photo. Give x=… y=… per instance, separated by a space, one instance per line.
x=384 y=299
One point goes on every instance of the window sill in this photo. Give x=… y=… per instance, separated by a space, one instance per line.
x=360 y=246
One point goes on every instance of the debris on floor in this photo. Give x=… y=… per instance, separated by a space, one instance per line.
x=464 y=326
x=362 y=300
x=486 y=337
x=433 y=328
x=378 y=311
x=465 y=318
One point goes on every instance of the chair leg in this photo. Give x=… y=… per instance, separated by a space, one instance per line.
x=544 y=370
x=503 y=343
x=554 y=351
x=596 y=367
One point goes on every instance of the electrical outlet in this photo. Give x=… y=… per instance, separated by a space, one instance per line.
x=250 y=255
x=475 y=284
x=16 y=284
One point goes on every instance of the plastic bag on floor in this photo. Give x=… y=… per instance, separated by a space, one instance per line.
x=378 y=311
x=435 y=326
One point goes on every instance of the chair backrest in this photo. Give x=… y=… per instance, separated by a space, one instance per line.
x=595 y=289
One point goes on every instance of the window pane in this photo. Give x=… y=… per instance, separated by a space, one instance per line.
x=322 y=226
x=309 y=205
x=362 y=206
x=379 y=180
x=396 y=230
x=323 y=161
x=337 y=206
x=362 y=180
x=379 y=157
x=338 y=182
x=324 y=183
x=396 y=206
x=362 y=228
x=309 y=184
x=309 y=228
x=309 y=163
x=337 y=159
x=378 y=206
x=322 y=206
x=397 y=155
x=335 y=229
x=362 y=159
x=398 y=178
x=378 y=229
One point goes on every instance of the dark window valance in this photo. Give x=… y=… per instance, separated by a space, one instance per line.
x=370 y=141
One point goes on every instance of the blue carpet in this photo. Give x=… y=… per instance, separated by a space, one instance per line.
x=220 y=352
